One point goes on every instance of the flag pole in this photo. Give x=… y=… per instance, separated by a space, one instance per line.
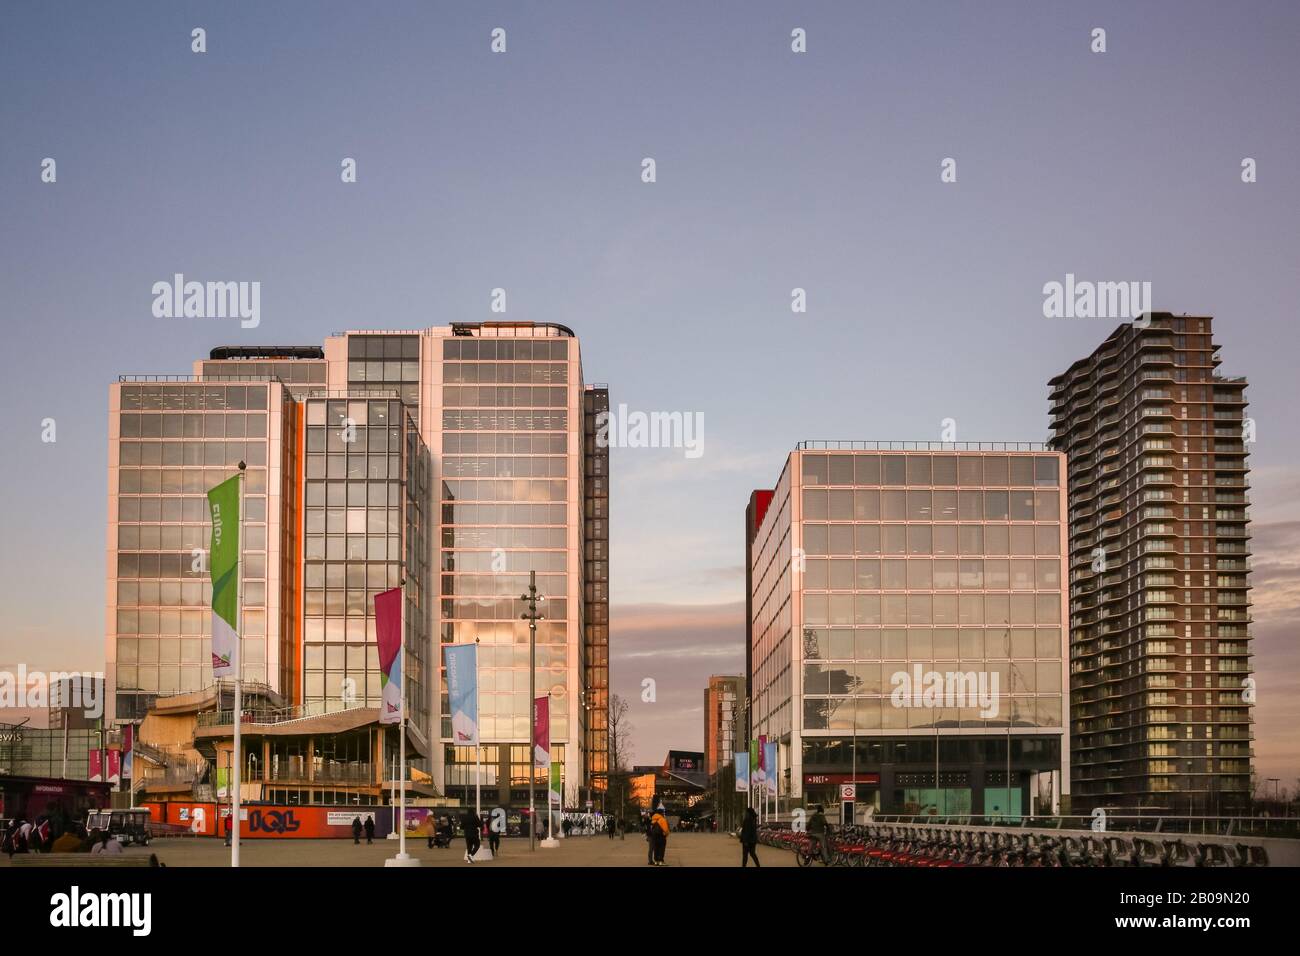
x=401 y=736
x=237 y=746
x=402 y=858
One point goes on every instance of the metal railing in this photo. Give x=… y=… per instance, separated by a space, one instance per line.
x=837 y=445
x=1281 y=827
x=275 y=715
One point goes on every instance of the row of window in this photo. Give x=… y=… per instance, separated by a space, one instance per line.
x=927 y=469
x=502 y=584
x=870 y=504
x=494 y=420
x=516 y=489
x=382 y=372
x=505 y=514
x=897 y=644
x=994 y=610
x=190 y=425
x=865 y=713
x=873 y=678
x=496 y=396
x=533 y=373
x=555 y=466
x=497 y=537
x=174 y=537
x=171 y=649
x=504 y=444
x=181 y=594
x=181 y=565
x=849 y=539
x=182 y=622
x=505 y=350
x=198 y=453
x=195 y=397
x=504 y=561
x=497 y=609
x=190 y=510
x=190 y=481
x=177 y=678
x=924 y=574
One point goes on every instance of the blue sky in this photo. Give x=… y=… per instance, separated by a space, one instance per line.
x=522 y=170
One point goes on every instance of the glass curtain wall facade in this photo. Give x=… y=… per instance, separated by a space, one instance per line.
x=170 y=442
x=908 y=606
x=510 y=499
x=1159 y=570
x=456 y=458
x=365 y=520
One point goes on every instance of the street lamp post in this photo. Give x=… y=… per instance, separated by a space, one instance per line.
x=532 y=617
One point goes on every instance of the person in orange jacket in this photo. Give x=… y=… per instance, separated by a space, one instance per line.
x=659 y=835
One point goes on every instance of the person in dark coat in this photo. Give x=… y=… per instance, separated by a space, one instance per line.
x=749 y=837
x=472 y=826
x=356 y=831
x=370 y=829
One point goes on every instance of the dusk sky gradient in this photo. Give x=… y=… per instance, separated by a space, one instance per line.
x=775 y=170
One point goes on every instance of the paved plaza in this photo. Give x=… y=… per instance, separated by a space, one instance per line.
x=684 y=849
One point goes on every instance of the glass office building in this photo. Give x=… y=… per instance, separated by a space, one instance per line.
x=1161 y=708
x=908 y=626
x=455 y=459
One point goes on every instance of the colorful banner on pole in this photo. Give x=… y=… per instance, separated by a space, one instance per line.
x=769 y=763
x=462 y=692
x=388 y=634
x=555 y=785
x=114 y=766
x=542 y=732
x=223 y=567
x=128 y=751
x=755 y=765
x=742 y=773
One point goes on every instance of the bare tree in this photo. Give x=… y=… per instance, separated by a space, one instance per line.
x=620 y=749
x=620 y=733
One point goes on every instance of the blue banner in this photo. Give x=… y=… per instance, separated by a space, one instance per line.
x=462 y=692
x=769 y=763
x=742 y=772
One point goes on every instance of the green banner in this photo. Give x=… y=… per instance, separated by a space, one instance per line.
x=223 y=566
x=555 y=785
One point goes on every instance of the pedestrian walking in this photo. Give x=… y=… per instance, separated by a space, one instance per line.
x=471 y=824
x=494 y=836
x=370 y=829
x=749 y=838
x=659 y=833
x=356 y=831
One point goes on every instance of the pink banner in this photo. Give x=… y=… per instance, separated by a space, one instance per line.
x=542 y=732
x=762 y=751
x=114 y=766
x=96 y=765
x=388 y=634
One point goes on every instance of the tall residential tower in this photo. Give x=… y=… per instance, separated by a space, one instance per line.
x=1159 y=559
